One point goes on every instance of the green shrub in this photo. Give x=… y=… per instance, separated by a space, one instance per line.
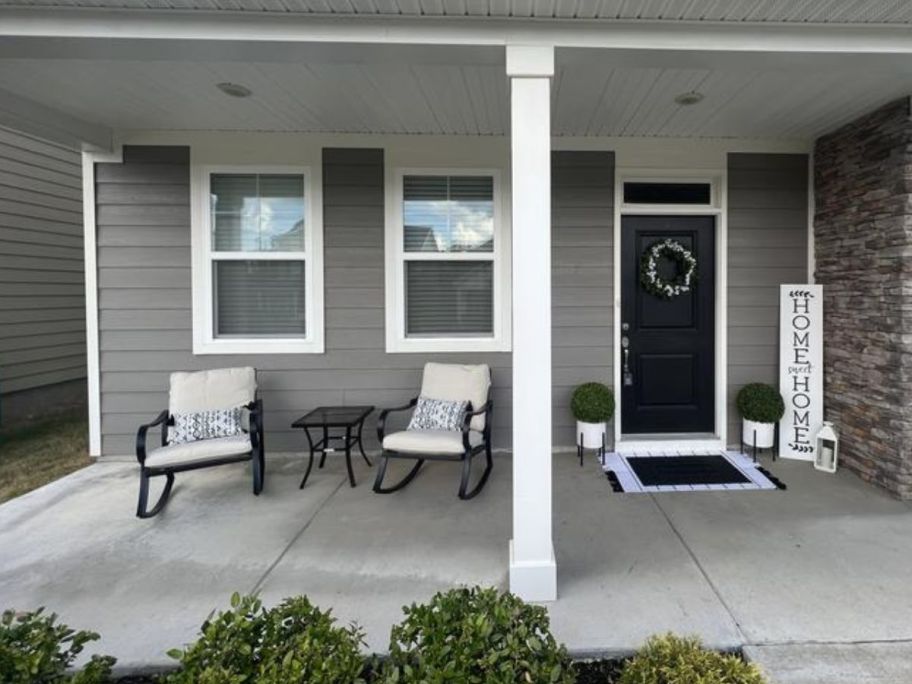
x=293 y=643
x=592 y=402
x=670 y=659
x=36 y=649
x=476 y=635
x=760 y=403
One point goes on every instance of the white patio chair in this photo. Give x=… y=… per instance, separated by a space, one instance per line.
x=193 y=393
x=447 y=382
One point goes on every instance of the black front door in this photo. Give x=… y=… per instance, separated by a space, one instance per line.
x=668 y=366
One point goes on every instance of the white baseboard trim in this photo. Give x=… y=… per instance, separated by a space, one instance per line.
x=629 y=447
x=534 y=580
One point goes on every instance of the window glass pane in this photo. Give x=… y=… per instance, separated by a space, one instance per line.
x=449 y=298
x=235 y=233
x=282 y=212
x=448 y=213
x=257 y=213
x=259 y=298
x=667 y=193
x=233 y=193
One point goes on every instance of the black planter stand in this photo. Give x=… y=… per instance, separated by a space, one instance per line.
x=753 y=444
x=600 y=452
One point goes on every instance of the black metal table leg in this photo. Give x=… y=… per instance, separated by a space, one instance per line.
x=310 y=461
x=325 y=444
x=361 y=445
x=348 y=456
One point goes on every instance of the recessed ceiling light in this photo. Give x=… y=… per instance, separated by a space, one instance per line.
x=234 y=89
x=689 y=98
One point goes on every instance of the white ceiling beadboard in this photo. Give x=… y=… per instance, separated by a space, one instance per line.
x=790 y=11
x=350 y=98
x=602 y=96
x=741 y=103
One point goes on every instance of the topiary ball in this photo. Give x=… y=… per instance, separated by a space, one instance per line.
x=592 y=402
x=760 y=403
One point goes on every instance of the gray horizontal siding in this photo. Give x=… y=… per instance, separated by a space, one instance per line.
x=42 y=295
x=145 y=298
x=767 y=246
x=582 y=216
x=144 y=280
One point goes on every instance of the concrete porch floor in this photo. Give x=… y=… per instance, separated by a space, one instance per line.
x=819 y=569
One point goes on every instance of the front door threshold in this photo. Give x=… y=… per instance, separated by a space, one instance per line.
x=668 y=443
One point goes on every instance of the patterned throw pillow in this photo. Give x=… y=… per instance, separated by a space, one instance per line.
x=192 y=427
x=438 y=414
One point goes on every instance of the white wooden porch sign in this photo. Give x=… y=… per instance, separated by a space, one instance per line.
x=800 y=369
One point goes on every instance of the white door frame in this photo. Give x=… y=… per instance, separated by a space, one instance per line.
x=718 y=209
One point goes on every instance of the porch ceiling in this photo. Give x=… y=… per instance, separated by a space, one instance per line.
x=797 y=11
x=439 y=90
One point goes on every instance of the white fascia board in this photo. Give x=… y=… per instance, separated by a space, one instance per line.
x=45 y=122
x=90 y=247
x=249 y=26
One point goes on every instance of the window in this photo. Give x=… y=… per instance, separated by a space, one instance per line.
x=258 y=280
x=447 y=270
x=642 y=192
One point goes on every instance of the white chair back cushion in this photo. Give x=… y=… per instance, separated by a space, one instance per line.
x=453 y=382
x=223 y=388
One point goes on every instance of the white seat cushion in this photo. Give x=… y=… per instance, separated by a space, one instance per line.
x=176 y=454
x=453 y=382
x=429 y=441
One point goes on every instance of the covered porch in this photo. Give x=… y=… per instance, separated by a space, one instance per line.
x=560 y=117
x=810 y=570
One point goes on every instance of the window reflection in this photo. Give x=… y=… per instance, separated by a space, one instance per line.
x=448 y=213
x=257 y=213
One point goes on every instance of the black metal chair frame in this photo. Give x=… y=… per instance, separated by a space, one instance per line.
x=469 y=451
x=256 y=455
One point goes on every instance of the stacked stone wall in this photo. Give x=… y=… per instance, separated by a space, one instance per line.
x=863 y=248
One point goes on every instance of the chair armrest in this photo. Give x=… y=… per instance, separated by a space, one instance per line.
x=467 y=421
x=256 y=422
x=381 y=419
x=162 y=420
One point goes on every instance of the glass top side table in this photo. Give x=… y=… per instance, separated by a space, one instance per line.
x=325 y=419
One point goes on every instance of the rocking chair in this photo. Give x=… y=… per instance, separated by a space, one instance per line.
x=451 y=383
x=210 y=390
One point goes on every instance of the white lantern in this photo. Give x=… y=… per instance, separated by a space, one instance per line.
x=827 y=449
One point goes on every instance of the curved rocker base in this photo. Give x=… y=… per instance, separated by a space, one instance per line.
x=258 y=464
x=142 y=508
x=466 y=473
x=381 y=472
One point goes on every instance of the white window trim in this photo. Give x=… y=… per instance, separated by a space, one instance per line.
x=204 y=339
x=396 y=340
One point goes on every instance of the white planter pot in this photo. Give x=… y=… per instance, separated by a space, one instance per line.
x=592 y=434
x=766 y=433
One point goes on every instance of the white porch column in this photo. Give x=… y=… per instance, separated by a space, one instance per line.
x=533 y=571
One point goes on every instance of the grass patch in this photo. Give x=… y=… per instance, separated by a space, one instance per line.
x=34 y=455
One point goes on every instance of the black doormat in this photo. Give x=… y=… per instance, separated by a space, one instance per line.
x=656 y=471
